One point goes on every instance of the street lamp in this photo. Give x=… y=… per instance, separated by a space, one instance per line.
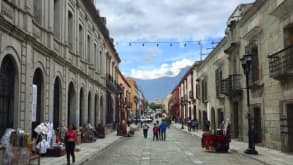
x=246 y=65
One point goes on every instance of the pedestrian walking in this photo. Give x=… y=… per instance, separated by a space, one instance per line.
x=156 y=132
x=189 y=124
x=70 y=138
x=158 y=124
x=163 y=129
x=145 y=129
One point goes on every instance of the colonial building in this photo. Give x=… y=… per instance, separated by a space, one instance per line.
x=54 y=59
x=262 y=30
x=174 y=104
x=187 y=91
x=133 y=96
x=124 y=97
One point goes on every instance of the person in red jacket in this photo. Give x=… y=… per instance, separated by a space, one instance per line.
x=155 y=132
x=70 y=138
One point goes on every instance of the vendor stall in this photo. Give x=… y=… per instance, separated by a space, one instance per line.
x=87 y=134
x=17 y=148
x=218 y=141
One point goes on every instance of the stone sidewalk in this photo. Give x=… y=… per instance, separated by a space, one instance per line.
x=87 y=151
x=265 y=155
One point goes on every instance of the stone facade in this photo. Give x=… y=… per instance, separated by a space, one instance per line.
x=125 y=103
x=187 y=92
x=264 y=30
x=60 y=48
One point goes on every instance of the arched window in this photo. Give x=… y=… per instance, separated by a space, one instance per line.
x=81 y=111
x=57 y=103
x=71 y=105
x=8 y=83
x=38 y=99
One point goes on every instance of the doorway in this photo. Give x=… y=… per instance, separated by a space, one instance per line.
x=289 y=109
x=236 y=119
x=199 y=119
x=57 y=103
x=205 y=122
x=71 y=111
x=189 y=113
x=96 y=110
x=89 y=111
x=257 y=124
x=194 y=113
x=220 y=117
x=38 y=87
x=81 y=111
x=7 y=97
x=213 y=119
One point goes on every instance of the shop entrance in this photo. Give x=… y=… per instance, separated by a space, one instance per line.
x=71 y=105
x=38 y=87
x=289 y=109
x=206 y=123
x=89 y=111
x=199 y=119
x=189 y=113
x=102 y=115
x=96 y=110
x=81 y=111
x=194 y=113
x=7 y=99
x=220 y=117
x=57 y=103
x=109 y=114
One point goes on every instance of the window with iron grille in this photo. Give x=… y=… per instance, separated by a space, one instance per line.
x=218 y=82
x=252 y=48
x=204 y=89
x=198 y=91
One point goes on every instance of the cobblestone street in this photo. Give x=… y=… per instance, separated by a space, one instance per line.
x=179 y=148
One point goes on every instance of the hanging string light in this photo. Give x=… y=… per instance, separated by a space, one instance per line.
x=170 y=43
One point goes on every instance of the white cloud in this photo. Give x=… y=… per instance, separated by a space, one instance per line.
x=165 y=70
x=155 y=19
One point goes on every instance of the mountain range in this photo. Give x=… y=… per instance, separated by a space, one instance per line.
x=160 y=87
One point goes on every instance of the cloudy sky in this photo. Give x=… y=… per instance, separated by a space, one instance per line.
x=156 y=38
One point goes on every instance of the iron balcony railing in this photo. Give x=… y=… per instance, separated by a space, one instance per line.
x=281 y=63
x=231 y=86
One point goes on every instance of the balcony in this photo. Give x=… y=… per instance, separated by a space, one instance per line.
x=231 y=85
x=281 y=64
x=232 y=47
x=110 y=83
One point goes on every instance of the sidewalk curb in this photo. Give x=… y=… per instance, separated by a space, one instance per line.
x=231 y=148
x=251 y=157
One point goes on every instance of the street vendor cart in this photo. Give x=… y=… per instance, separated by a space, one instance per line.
x=218 y=141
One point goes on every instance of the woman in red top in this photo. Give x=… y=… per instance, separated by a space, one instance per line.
x=70 y=138
x=155 y=132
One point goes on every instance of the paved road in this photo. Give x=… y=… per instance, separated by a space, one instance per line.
x=180 y=148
